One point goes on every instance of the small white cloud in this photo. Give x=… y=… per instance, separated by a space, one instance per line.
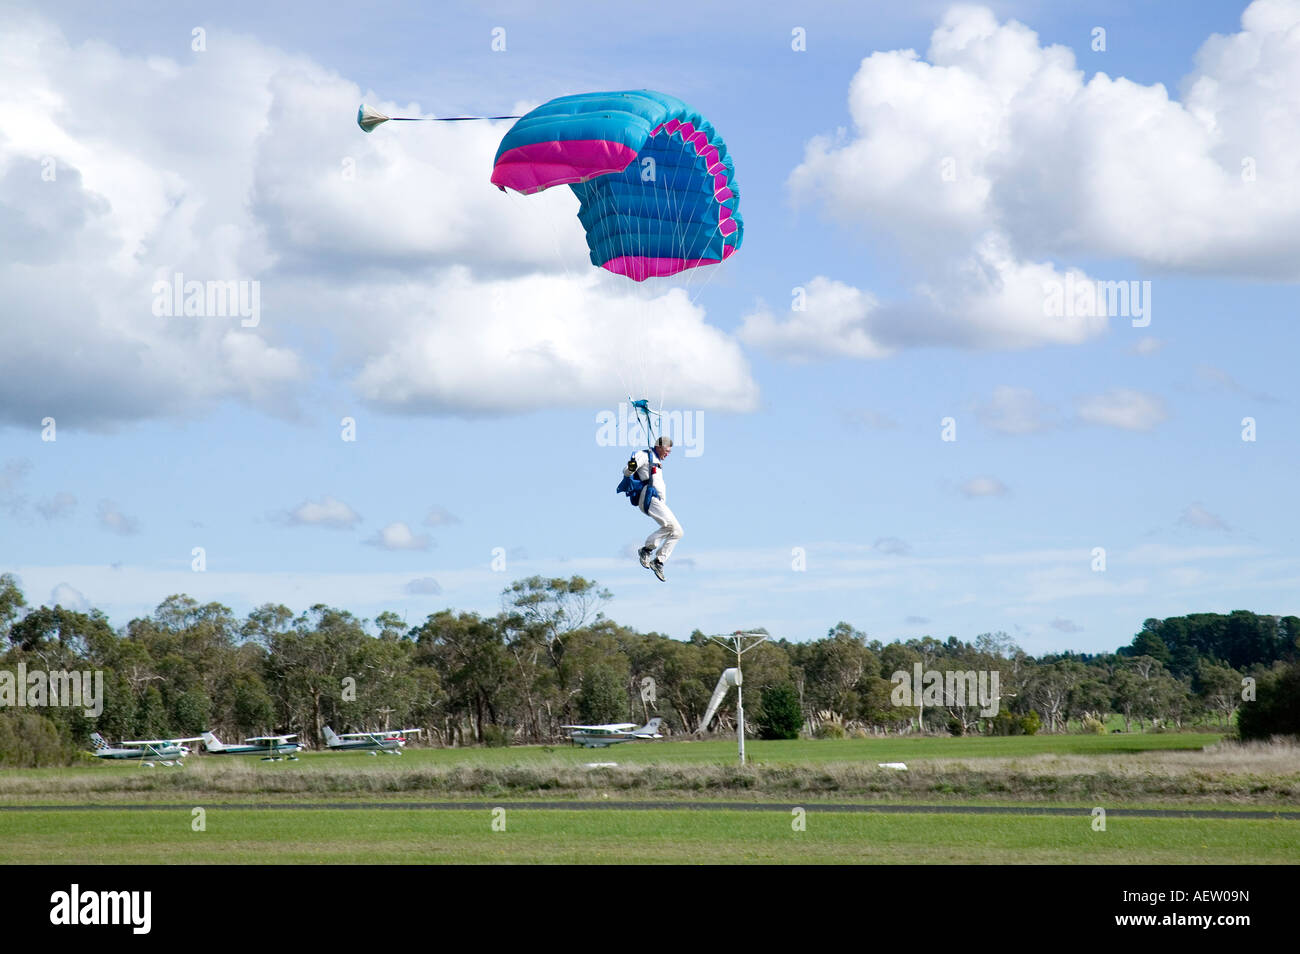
x=867 y=419
x=424 y=586
x=1147 y=346
x=398 y=536
x=1065 y=625
x=1201 y=519
x=438 y=517
x=69 y=598
x=110 y=518
x=60 y=505
x=12 y=474
x=1015 y=411
x=892 y=546
x=326 y=512
x=1217 y=379
x=983 y=487
x=1124 y=408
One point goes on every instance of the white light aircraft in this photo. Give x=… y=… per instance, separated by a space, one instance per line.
x=390 y=741
x=603 y=736
x=167 y=751
x=271 y=748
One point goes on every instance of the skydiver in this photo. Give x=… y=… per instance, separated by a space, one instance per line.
x=653 y=501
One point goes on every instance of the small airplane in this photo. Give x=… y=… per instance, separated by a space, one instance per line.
x=167 y=751
x=271 y=748
x=373 y=743
x=603 y=736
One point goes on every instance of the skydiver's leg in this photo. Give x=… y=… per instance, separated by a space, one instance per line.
x=669 y=532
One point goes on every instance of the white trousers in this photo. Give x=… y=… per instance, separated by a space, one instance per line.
x=669 y=532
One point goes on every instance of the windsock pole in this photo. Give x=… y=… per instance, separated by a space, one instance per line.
x=737 y=642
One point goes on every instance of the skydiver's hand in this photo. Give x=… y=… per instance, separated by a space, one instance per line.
x=631 y=467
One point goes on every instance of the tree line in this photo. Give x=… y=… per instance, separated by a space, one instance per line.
x=551 y=657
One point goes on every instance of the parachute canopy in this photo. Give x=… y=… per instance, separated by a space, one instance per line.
x=656 y=187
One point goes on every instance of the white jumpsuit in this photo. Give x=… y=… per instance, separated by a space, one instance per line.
x=670 y=530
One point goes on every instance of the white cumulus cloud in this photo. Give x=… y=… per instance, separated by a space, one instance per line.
x=398 y=536
x=996 y=157
x=326 y=512
x=1124 y=408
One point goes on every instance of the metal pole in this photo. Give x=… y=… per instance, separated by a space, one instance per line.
x=740 y=724
x=740 y=709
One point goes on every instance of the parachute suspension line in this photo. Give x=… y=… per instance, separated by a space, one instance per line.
x=644 y=413
x=629 y=244
x=535 y=213
x=668 y=199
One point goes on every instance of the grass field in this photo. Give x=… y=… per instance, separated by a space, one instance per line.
x=622 y=837
x=1043 y=773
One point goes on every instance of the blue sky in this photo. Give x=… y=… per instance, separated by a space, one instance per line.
x=404 y=296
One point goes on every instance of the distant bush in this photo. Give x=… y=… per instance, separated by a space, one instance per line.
x=1009 y=723
x=956 y=727
x=30 y=740
x=779 y=715
x=1276 y=709
x=495 y=737
x=1093 y=726
x=830 y=730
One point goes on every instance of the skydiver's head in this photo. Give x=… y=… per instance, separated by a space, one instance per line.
x=663 y=447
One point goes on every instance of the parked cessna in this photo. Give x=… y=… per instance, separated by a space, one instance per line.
x=271 y=748
x=603 y=736
x=167 y=751
x=390 y=741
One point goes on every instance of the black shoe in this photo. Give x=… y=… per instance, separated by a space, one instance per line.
x=644 y=555
x=658 y=567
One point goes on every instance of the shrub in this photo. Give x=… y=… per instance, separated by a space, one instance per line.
x=779 y=716
x=830 y=730
x=1093 y=726
x=1008 y=723
x=956 y=727
x=1276 y=709
x=496 y=737
x=30 y=740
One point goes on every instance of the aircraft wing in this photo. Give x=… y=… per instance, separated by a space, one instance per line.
x=272 y=738
x=386 y=734
x=194 y=738
x=611 y=727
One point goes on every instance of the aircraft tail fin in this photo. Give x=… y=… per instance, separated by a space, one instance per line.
x=211 y=742
x=97 y=741
x=651 y=727
x=330 y=737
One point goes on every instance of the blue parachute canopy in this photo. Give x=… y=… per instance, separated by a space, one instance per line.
x=656 y=185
